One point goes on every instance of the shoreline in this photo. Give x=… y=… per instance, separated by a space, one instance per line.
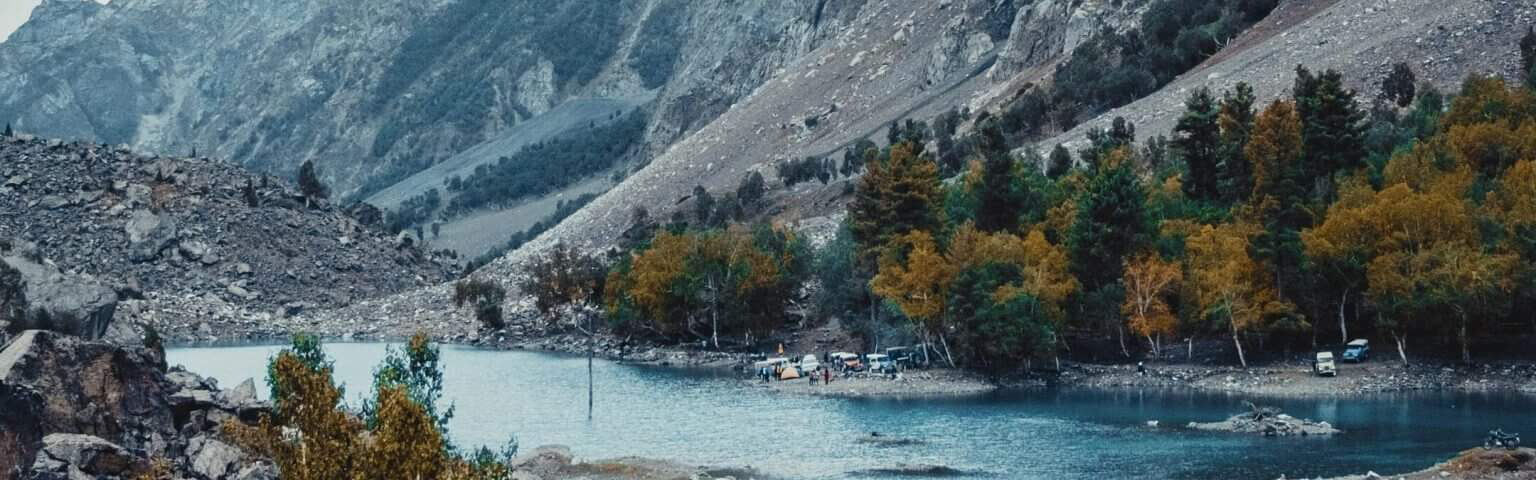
x=1274 y=379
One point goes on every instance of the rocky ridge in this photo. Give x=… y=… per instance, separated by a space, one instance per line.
x=180 y=244
x=81 y=409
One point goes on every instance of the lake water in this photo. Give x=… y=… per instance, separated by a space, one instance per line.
x=701 y=417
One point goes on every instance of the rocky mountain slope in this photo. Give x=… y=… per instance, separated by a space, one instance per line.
x=184 y=243
x=914 y=58
x=375 y=91
x=1442 y=41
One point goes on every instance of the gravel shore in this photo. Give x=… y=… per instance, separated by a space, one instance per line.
x=911 y=383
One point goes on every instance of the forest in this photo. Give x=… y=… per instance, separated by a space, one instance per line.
x=1308 y=221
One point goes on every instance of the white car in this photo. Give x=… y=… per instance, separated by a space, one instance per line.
x=879 y=362
x=809 y=364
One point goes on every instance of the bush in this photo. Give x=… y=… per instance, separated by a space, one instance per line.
x=486 y=297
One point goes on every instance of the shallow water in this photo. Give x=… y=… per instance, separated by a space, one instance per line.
x=702 y=417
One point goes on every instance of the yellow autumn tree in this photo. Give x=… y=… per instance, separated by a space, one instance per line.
x=1229 y=284
x=916 y=277
x=1148 y=280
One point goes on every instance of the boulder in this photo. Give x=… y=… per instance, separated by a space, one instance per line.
x=256 y=471
x=240 y=396
x=544 y=461
x=148 y=235
x=52 y=383
x=138 y=195
x=68 y=456
x=52 y=300
x=212 y=458
x=193 y=249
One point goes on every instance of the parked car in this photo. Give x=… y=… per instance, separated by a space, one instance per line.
x=1323 y=366
x=879 y=362
x=845 y=361
x=810 y=364
x=1357 y=350
x=902 y=356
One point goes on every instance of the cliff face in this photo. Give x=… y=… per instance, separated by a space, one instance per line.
x=373 y=91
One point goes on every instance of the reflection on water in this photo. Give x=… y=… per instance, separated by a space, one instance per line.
x=707 y=418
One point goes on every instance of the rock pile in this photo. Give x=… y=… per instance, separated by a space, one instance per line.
x=156 y=228
x=1267 y=421
x=82 y=409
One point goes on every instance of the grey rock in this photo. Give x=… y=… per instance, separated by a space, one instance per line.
x=212 y=458
x=243 y=268
x=243 y=394
x=138 y=195
x=193 y=249
x=68 y=455
x=71 y=304
x=256 y=471
x=148 y=234
x=543 y=461
x=239 y=291
x=54 y=202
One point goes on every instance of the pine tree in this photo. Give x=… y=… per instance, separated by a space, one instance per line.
x=703 y=204
x=998 y=205
x=1333 y=131
x=309 y=183
x=1236 y=123
x=1528 y=56
x=8 y=132
x=1111 y=223
x=1278 y=201
x=1061 y=162
x=1199 y=138
x=1399 y=85
x=898 y=194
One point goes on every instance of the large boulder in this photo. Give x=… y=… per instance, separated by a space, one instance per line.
x=52 y=383
x=148 y=235
x=39 y=296
x=68 y=456
x=212 y=458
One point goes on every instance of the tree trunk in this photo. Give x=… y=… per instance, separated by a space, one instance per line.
x=591 y=350
x=1402 y=346
x=1235 y=341
x=1343 y=329
x=1189 y=355
x=714 y=320
x=1153 y=344
x=949 y=357
x=1461 y=335
x=1123 y=351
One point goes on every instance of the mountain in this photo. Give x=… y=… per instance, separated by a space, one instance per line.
x=375 y=91
x=394 y=100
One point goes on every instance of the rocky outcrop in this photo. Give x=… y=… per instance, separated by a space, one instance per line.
x=46 y=298
x=82 y=409
x=187 y=241
x=1269 y=422
x=68 y=456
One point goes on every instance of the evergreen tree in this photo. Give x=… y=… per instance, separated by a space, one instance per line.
x=703 y=204
x=8 y=132
x=1236 y=123
x=898 y=194
x=1399 y=85
x=309 y=183
x=1333 y=129
x=1279 y=196
x=751 y=189
x=1111 y=223
x=998 y=205
x=1199 y=139
x=1528 y=56
x=1061 y=162
x=1121 y=133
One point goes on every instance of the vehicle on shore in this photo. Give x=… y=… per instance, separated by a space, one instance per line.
x=1323 y=365
x=848 y=362
x=1356 y=350
x=810 y=363
x=1497 y=438
x=901 y=356
x=879 y=362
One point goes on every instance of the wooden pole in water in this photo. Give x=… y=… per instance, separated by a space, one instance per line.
x=591 y=349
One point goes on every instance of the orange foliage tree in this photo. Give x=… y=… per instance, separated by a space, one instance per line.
x=1148 y=281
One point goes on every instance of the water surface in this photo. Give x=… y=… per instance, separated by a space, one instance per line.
x=703 y=417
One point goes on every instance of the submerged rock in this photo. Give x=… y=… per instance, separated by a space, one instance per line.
x=913 y=470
